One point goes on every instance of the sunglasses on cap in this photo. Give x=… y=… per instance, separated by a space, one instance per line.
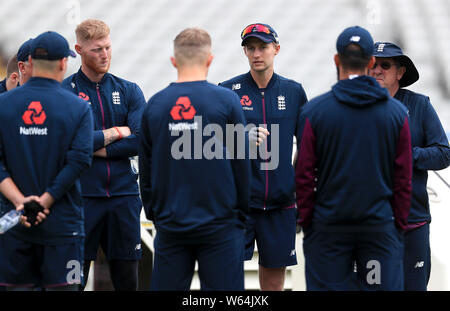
x=255 y=28
x=385 y=65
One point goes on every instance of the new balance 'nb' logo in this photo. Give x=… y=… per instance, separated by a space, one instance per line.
x=419 y=264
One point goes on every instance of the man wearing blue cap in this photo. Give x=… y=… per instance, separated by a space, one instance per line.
x=46 y=143
x=353 y=177
x=430 y=151
x=272 y=104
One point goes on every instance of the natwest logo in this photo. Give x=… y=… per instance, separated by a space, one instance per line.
x=34 y=114
x=183 y=109
x=246 y=103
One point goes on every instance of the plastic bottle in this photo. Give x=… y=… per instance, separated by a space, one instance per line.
x=9 y=220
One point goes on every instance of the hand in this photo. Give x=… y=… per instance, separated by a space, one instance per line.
x=124 y=130
x=257 y=135
x=40 y=217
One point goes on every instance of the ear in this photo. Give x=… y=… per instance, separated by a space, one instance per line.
x=400 y=72
x=209 y=60
x=277 y=49
x=78 y=48
x=173 y=61
x=14 y=77
x=337 y=61
x=371 y=62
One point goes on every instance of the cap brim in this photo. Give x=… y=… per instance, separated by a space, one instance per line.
x=260 y=37
x=72 y=53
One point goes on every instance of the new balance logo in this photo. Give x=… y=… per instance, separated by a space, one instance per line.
x=236 y=86
x=116 y=98
x=355 y=39
x=419 y=264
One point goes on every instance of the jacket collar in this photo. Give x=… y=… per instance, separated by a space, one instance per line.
x=271 y=83
x=86 y=79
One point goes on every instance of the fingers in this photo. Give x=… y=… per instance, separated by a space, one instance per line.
x=258 y=135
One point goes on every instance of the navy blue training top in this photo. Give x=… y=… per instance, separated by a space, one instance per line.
x=277 y=105
x=114 y=102
x=45 y=145
x=354 y=166
x=430 y=150
x=191 y=181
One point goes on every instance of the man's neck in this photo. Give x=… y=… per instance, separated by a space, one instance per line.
x=189 y=74
x=394 y=89
x=48 y=75
x=350 y=74
x=262 y=78
x=91 y=74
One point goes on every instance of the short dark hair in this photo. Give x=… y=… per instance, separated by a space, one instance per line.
x=354 y=58
x=12 y=66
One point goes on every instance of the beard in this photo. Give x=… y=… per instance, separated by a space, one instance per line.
x=97 y=67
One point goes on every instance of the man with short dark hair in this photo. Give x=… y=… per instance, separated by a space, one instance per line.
x=353 y=176
x=46 y=143
x=430 y=151
x=12 y=75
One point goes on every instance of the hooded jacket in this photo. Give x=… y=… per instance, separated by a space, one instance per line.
x=354 y=166
x=278 y=104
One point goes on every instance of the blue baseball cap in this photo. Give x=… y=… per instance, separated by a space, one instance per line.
x=390 y=50
x=355 y=35
x=261 y=31
x=50 y=45
x=24 y=51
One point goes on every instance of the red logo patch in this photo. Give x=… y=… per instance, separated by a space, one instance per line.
x=83 y=96
x=34 y=114
x=183 y=110
x=245 y=101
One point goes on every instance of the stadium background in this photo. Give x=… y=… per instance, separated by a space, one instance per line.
x=142 y=34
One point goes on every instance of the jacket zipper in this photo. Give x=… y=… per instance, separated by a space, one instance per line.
x=267 y=172
x=108 y=180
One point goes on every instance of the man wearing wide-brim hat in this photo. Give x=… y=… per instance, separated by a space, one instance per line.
x=430 y=151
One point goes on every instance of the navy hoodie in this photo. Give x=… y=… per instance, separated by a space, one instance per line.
x=430 y=150
x=193 y=194
x=277 y=104
x=354 y=166
x=45 y=145
x=114 y=102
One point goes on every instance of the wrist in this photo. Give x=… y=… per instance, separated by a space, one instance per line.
x=118 y=131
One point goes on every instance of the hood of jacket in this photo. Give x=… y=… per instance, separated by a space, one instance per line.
x=359 y=92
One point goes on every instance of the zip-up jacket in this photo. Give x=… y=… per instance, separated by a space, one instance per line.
x=279 y=105
x=114 y=102
x=354 y=166
x=430 y=150
x=191 y=183
x=45 y=145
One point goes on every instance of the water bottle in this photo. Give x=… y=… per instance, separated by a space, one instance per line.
x=9 y=220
